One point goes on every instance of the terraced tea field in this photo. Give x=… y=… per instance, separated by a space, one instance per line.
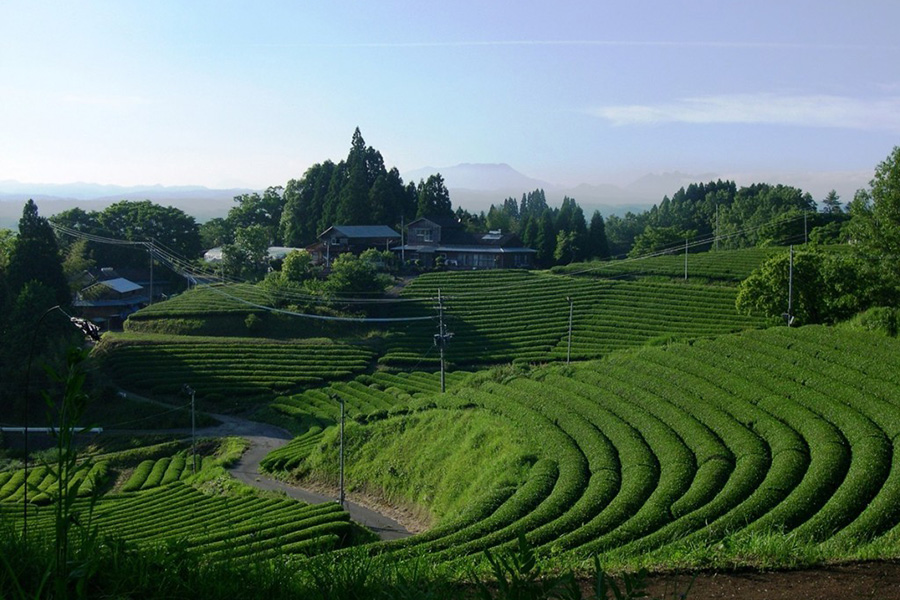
x=380 y=392
x=747 y=448
x=218 y=526
x=523 y=316
x=242 y=369
x=729 y=266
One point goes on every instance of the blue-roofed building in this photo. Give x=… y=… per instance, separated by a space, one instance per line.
x=108 y=303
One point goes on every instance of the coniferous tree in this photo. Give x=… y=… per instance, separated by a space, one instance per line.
x=353 y=201
x=546 y=238
x=579 y=233
x=598 y=245
x=434 y=199
x=35 y=257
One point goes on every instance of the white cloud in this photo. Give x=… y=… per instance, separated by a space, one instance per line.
x=805 y=111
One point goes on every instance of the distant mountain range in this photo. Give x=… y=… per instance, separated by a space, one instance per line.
x=52 y=198
x=472 y=186
x=476 y=186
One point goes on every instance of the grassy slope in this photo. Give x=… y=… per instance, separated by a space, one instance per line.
x=441 y=461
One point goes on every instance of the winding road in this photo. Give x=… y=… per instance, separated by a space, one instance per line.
x=264 y=438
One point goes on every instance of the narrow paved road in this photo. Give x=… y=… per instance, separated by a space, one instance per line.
x=263 y=439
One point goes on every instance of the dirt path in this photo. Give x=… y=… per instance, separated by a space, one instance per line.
x=264 y=438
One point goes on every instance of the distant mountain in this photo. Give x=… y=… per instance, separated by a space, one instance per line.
x=666 y=184
x=480 y=176
x=200 y=202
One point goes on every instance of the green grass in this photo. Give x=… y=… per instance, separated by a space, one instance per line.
x=445 y=461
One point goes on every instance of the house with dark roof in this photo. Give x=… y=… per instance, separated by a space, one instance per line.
x=338 y=239
x=433 y=237
x=110 y=301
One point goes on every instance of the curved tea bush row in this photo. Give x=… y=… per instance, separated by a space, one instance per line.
x=163 y=471
x=205 y=301
x=43 y=483
x=665 y=450
x=220 y=527
x=366 y=396
x=523 y=316
x=228 y=368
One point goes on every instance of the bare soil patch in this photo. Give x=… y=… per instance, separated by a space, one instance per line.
x=876 y=580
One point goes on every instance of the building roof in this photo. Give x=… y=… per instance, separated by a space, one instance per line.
x=121 y=285
x=442 y=222
x=466 y=249
x=363 y=231
x=275 y=252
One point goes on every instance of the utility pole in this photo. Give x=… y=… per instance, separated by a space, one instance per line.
x=717 y=227
x=569 y=348
x=790 y=312
x=189 y=390
x=442 y=337
x=342 y=452
x=685 y=257
x=150 y=249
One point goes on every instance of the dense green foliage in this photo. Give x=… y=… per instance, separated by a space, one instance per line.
x=876 y=216
x=824 y=287
x=134 y=222
x=355 y=191
x=755 y=215
x=32 y=288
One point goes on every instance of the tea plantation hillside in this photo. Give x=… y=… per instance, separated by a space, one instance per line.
x=151 y=496
x=771 y=447
x=495 y=317
x=724 y=267
x=510 y=316
x=222 y=368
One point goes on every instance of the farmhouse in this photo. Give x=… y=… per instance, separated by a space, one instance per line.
x=433 y=237
x=338 y=239
x=111 y=301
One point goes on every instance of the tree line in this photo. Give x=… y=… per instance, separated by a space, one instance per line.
x=813 y=286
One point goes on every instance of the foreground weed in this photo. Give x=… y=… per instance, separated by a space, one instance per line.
x=517 y=575
x=634 y=585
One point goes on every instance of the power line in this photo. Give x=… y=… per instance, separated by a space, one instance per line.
x=320 y=317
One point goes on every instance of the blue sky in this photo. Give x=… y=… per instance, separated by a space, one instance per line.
x=253 y=93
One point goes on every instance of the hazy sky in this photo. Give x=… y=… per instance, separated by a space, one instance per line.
x=252 y=93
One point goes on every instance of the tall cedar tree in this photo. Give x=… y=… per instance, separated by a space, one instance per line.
x=355 y=191
x=434 y=199
x=35 y=257
x=353 y=201
x=598 y=245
